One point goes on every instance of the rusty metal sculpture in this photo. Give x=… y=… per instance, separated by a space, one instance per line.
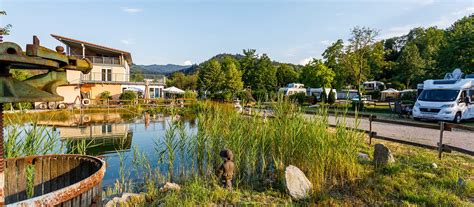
x=39 y=88
x=226 y=170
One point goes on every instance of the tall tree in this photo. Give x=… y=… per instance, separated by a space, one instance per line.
x=411 y=64
x=233 y=76
x=248 y=65
x=211 y=77
x=182 y=81
x=315 y=74
x=459 y=49
x=355 y=58
x=332 y=59
x=5 y=30
x=286 y=74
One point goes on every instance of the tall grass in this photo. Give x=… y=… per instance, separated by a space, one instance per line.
x=262 y=149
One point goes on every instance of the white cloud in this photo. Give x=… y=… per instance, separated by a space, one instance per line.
x=127 y=41
x=131 y=10
x=187 y=62
x=305 y=61
x=448 y=20
x=326 y=42
x=397 y=31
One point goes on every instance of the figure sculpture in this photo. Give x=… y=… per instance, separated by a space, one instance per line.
x=226 y=170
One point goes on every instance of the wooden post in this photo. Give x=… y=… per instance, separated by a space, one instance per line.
x=440 y=143
x=370 y=129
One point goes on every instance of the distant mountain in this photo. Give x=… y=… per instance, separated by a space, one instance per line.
x=160 y=69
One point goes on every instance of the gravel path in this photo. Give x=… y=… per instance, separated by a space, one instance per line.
x=458 y=138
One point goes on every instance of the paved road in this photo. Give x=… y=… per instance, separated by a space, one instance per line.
x=458 y=138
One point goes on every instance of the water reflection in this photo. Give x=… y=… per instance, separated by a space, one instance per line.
x=108 y=134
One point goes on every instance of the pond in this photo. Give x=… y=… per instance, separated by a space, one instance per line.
x=118 y=138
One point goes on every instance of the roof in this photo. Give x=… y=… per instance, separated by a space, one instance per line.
x=73 y=42
x=390 y=90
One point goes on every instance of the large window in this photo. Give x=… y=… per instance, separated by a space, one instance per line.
x=106 y=74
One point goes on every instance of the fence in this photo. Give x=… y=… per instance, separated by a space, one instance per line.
x=442 y=127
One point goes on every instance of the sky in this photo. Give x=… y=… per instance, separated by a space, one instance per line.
x=191 y=31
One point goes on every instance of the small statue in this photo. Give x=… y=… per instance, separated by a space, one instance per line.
x=226 y=170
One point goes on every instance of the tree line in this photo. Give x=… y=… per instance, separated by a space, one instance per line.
x=401 y=62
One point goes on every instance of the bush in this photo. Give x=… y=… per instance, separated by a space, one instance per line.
x=105 y=95
x=190 y=94
x=223 y=96
x=298 y=97
x=357 y=105
x=260 y=95
x=323 y=96
x=375 y=94
x=331 y=97
x=245 y=96
x=128 y=95
x=17 y=106
x=409 y=96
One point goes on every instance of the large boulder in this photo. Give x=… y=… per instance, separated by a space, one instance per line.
x=297 y=184
x=382 y=155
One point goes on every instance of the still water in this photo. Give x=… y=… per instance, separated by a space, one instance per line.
x=114 y=136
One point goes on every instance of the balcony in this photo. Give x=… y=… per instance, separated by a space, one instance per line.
x=106 y=77
x=98 y=60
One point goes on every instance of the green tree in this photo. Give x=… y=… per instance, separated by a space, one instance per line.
x=233 y=77
x=211 y=76
x=136 y=76
x=262 y=77
x=315 y=74
x=459 y=49
x=183 y=81
x=355 y=58
x=332 y=59
x=248 y=65
x=286 y=74
x=5 y=30
x=411 y=64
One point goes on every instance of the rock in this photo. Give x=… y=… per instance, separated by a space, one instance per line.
x=382 y=155
x=125 y=200
x=297 y=183
x=363 y=156
x=434 y=165
x=170 y=187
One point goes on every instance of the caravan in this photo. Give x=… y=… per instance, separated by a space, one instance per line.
x=449 y=99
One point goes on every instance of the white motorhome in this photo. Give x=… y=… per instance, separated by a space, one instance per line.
x=449 y=99
x=318 y=91
x=293 y=88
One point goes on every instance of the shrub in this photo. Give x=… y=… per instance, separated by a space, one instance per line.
x=298 y=97
x=105 y=95
x=260 y=95
x=331 y=97
x=374 y=94
x=323 y=97
x=245 y=96
x=128 y=95
x=190 y=94
x=409 y=96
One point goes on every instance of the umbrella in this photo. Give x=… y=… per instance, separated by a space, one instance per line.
x=173 y=90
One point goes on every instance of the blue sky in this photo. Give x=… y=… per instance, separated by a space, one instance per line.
x=184 y=32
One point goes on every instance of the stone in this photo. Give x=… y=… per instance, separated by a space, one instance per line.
x=434 y=165
x=125 y=200
x=170 y=187
x=297 y=183
x=363 y=156
x=382 y=155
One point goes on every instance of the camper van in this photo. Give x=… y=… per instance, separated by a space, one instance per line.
x=449 y=99
x=292 y=88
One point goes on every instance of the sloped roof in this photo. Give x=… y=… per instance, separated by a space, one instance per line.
x=73 y=42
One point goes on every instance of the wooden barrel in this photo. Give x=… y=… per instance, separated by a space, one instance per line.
x=54 y=180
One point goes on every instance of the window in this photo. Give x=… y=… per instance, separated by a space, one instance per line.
x=152 y=92
x=106 y=74
x=106 y=128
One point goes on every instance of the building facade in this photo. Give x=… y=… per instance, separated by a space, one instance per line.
x=110 y=72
